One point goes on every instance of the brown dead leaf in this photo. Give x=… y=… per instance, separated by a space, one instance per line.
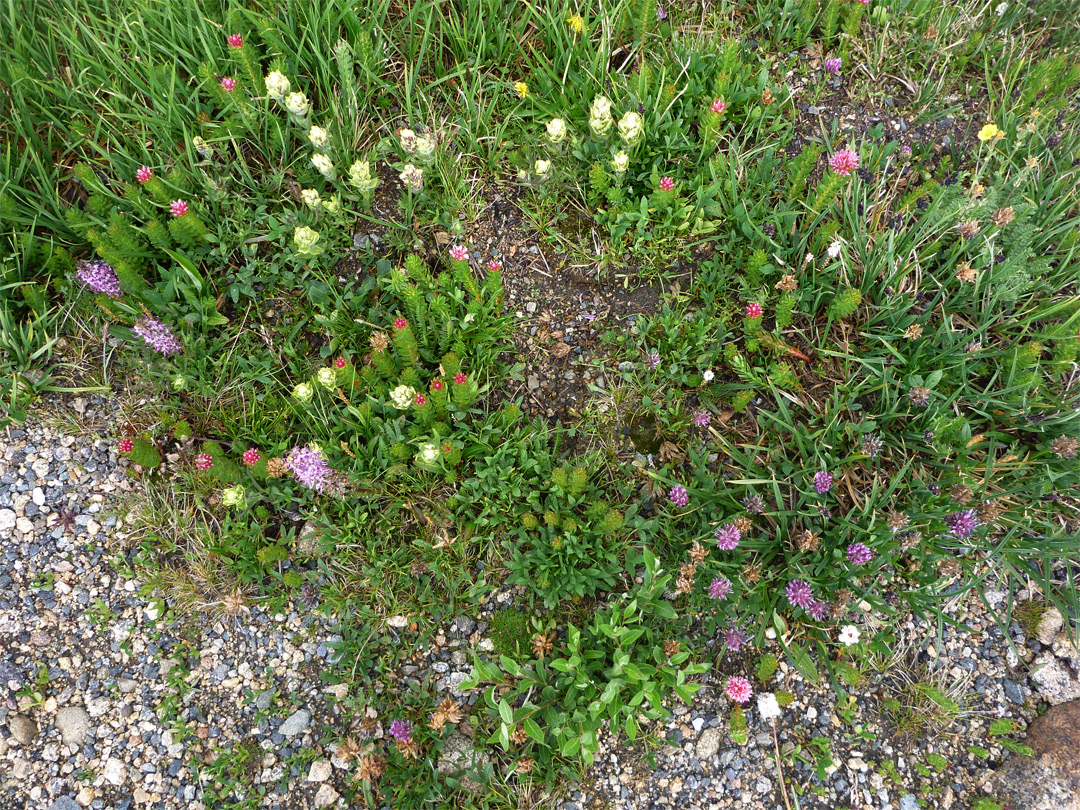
x=559 y=350
x=670 y=452
x=442 y=238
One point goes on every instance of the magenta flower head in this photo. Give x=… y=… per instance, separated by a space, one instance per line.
x=754 y=311
x=178 y=208
x=833 y=65
x=844 y=162
x=720 y=587
x=228 y=84
x=236 y=41
x=728 y=537
x=100 y=278
x=401 y=730
x=678 y=496
x=660 y=13
x=494 y=265
x=818 y=610
x=309 y=467
x=144 y=174
x=962 y=524
x=702 y=417
x=460 y=379
x=738 y=689
x=799 y=594
x=822 y=482
x=459 y=253
x=126 y=445
x=666 y=184
x=203 y=461
x=718 y=106
x=653 y=361
x=859 y=554
x=157 y=336
x=734 y=638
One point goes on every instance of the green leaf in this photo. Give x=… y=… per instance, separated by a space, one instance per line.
x=570 y=747
x=533 y=730
x=505 y=712
x=631 y=728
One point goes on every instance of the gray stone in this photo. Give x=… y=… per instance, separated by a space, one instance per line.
x=909 y=802
x=1056 y=683
x=73 y=724
x=295 y=723
x=22 y=729
x=1050 y=778
x=64 y=803
x=708 y=744
x=7 y=519
x=460 y=757
x=1049 y=625
x=1013 y=691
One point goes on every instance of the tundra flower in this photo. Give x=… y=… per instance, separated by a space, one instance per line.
x=962 y=524
x=459 y=253
x=100 y=278
x=333 y=205
x=859 y=553
x=412 y=178
x=666 y=184
x=277 y=85
x=494 y=266
x=236 y=41
x=327 y=378
x=401 y=730
x=228 y=84
x=728 y=537
x=178 y=208
x=521 y=89
x=303 y=392
x=420 y=399
x=306 y=241
x=818 y=610
x=836 y=248
x=653 y=361
x=542 y=167
x=233 y=496
x=823 y=482
x=360 y=176
x=718 y=106
x=407 y=139
x=157 y=336
x=425 y=146
x=201 y=146
x=323 y=165
x=849 y=635
x=251 y=456
x=600 y=120
x=844 y=162
x=734 y=639
x=400 y=323
x=799 y=594
x=701 y=417
x=630 y=128
x=708 y=375
x=311 y=198
x=660 y=13
x=402 y=397
x=126 y=445
x=297 y=104
x=203 y=461
x=720 y=588
x=754 y=311
x=768 y=706
x=318 y=137
x=738 y=689
x=576 y=23
x=556 y=130
x=309 y=467
x=620 y=162
x=144 y=174
x=990 y=132
x=833 y=66
x=429 y=453
x=678 y=495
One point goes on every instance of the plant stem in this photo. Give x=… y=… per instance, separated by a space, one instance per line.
x=779 y=770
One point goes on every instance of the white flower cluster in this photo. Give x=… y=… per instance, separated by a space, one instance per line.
x=402 y=397
x=600 y=119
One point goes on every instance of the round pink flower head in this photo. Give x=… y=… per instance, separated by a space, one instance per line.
x=822 y=482
x=754 y=311
x=720 y=587
x=818 y=610
x=799 y=594
x=718 y=106
x=203 y=462
x=235 y=41
x=494 y=265
x=859 y=553
x=309 y=467
x=228 y=84
x=653 y=361
x=400 y=323
x=401 y=730
x=251 y=456
x=678 y=495
x=178 y=208
x=702 y=417
x=728 y=537
x=962 y=524
x=144 y=174
x=666 y=184
x=734 y=639
x=460 y=379
x=833 y=65
x=126 y=445
x=459 y=253
x=738 y=689
x=844 y=162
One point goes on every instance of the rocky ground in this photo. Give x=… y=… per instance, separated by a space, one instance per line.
x=109 y=699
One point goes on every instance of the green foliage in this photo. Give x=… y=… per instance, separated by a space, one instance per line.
x=145 y=453
x=845 y=303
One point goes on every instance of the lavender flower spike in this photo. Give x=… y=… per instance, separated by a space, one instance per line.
x=309 y=467
x=100 y=278
x=157 y=336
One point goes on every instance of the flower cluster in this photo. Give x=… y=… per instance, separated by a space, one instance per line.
x=308 y=466
x=728 y=537
x=738 y=689
x=157 y=336
x=100 y=278
x=679 y=496
x=844 y=162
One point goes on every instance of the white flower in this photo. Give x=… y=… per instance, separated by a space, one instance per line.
x=556 y=130
x=600 y=117
x=306 y=240
x=1001 y=8
x=809 y=258
x=767 y=706
x=303 y=392
x=233 y=496
x=708 y=375
x=333 y=205
x=849 y=634
x=630 y=127
x=310 y=196
x=318 y=137
x=327 y=378
x=360 y=176
x=835 y=248
x=620 y=162
x=429 y=453
x=542 y=167
x=323 y=165
x=402 y=397
x=201 y=146
x=277 y=85
x=469 y=318
x=407 y=139
x=412 y=177
x=425 y=146
x=297 y=104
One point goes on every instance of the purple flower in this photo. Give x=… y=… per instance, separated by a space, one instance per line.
x=401 y=730
x=660 y=13
x=678 y=495
x=100 y=278
x=157 y=335
x=720 y=588
x=734 y=638
x=309 y=467
x=653 y=361
x=859 y=554
x=962 y=524
x=799 y=594
x=702 y=417
x=832 y=65
x=818 y=610
x=822 y=482
x=728 y=537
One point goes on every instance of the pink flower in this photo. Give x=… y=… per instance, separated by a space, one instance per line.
x=844 y=162
x=678 y=495
x=822 y=482
x=754 y=311
x=653 y=361
x=859 y=553
x=178 y=208
x=738 y=689
x=666 y=184
x=144 y=174
x=728 y=537
x=702 y=418
x=494 y=265
x=436 y=385
x=421 y=399
x=799 y=594
x=228 y=84
x=400 y=323
x=235 y=41
x=251 y=456
x=203 y=462
x=460 y=379
x=459 y=253
x=718 y=106
x=126 y=445
x=833 y=65
x=720 y=587
x=341 y=362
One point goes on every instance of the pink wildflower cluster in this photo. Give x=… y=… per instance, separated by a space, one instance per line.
x=718 y=106
x=459 y=253
x=236 y=41
x=823 y=482
x=720 y=587
x=844 y=162
x=309 y=467
x=203 y=461
x=678 y=495
x=228 y=84
x=666 y=184
x=126 y=445
x=754 y=311
x=833 y=65
x=178 y=208
x=157 y=336
x=728 y=537
x=400 y=323
x=144 y=174
x=460 y=379
x=738 y=689
x=251 y=456
x=702 y=417
x=859 y=553
x=100 y=278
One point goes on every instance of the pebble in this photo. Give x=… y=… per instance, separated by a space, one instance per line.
x=295 y=723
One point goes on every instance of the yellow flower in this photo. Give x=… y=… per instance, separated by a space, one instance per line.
x=576 y=23
x=1035 y=113
x=522 y=89
x=990 y=131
